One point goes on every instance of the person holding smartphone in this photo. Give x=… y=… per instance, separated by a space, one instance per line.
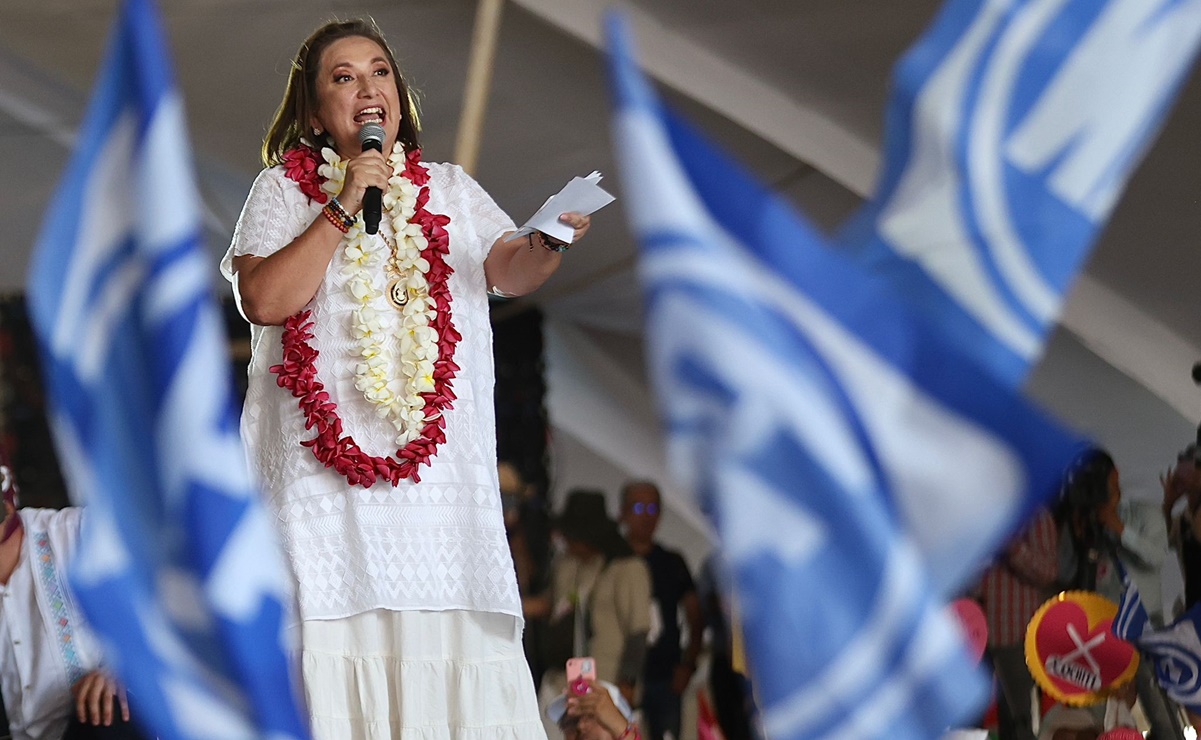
x=598 y=602
x=593 y=710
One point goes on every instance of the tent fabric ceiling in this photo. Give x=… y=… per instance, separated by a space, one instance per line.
x=821 y=61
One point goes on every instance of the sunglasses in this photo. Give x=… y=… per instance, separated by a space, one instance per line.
x=641 y=509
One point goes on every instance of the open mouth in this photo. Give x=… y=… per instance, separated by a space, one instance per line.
x=374 y=114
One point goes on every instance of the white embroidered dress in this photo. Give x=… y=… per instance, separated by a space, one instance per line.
x=436 y=545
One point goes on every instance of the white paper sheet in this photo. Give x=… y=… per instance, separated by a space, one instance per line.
x=581 y=195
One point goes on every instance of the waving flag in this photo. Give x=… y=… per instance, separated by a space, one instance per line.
x=178 y=570
x=1013 y=128
x=857 y=467
x=1174 y=650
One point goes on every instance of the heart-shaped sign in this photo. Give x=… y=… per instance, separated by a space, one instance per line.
x=1072 y=652
x=974 y=625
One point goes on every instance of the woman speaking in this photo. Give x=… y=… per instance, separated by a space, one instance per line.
x=369 y=416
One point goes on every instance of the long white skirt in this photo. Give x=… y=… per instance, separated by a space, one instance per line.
x=413 y=675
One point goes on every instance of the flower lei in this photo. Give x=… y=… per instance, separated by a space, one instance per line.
x=414 y=399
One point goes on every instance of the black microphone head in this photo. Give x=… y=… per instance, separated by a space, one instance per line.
x=371 y=136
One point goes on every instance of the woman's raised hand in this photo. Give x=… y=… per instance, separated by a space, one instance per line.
x=368 y=169
x=577 y=221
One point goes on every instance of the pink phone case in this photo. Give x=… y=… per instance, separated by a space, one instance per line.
x=578 y=668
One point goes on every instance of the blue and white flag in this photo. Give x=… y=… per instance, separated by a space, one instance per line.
x=1013 y=127
x=1132 y=619
x=857 y=468
x=1175 y=650
x=178 y=570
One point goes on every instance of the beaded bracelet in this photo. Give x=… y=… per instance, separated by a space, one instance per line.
x=338 y=223
x=337 y=215
x=337 y=206
x=548 y=245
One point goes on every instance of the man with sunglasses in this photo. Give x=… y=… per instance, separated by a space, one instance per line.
x=669 y=667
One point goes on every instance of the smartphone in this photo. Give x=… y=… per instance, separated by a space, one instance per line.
x=578 y=668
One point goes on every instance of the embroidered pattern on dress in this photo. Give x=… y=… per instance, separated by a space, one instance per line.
x=56 y=594
x=468 y=566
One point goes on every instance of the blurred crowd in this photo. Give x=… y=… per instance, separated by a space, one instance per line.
x=662 y=641
x=602 y=586
x=1085 y=540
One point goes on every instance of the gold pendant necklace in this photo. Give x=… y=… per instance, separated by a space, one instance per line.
x=398 y=294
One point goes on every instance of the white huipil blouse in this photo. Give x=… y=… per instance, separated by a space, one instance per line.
x=435 y=545
x=46 y=645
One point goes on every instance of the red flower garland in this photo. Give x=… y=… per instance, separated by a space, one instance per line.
x=298 y=371
x=301 y=165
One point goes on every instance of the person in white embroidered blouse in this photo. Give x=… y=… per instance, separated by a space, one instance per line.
x=368 y=415
x=50 y=676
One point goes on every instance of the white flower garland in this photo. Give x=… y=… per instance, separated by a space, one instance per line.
x=376 y=265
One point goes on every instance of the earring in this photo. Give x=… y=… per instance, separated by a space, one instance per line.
x=317 y=131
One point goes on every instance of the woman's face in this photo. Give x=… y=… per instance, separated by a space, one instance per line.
x=355 y=86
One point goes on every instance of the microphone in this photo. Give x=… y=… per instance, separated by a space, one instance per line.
x=371 y=136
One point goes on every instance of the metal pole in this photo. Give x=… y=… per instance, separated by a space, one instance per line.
x=479 y=80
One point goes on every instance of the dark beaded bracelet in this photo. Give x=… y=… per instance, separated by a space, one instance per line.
x=549 y=245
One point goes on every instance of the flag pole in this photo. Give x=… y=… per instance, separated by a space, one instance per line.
x=479 y=81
